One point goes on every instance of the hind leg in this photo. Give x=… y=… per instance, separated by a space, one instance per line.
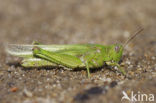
x=58 y=58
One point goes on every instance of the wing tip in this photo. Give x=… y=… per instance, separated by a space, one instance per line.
x=17 y=49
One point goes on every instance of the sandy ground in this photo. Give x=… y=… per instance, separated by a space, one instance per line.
x=71 y=22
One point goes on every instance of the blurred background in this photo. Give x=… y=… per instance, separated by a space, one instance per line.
x=69 y=21
x=75 y=22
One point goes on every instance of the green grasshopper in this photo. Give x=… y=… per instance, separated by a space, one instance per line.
x=73 y=56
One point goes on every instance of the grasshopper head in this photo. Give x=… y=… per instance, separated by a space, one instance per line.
x=115 y=52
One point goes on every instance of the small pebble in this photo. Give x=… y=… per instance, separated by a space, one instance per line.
x=113 y=84
x=108 y=79
x=131 y=73
x=48 y=79
x=128 y=62
x=13 y=89
x=138 y=66
x=153 y=58
x=27 y=93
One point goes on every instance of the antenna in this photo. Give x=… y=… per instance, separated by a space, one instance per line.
x=133 y=36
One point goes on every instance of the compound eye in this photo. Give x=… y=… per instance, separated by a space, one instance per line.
x=117 y=49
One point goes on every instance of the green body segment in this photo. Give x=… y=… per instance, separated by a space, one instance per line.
x=70 y=56
x=96 y=55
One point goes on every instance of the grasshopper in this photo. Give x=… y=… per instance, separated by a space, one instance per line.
x=89 y=56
